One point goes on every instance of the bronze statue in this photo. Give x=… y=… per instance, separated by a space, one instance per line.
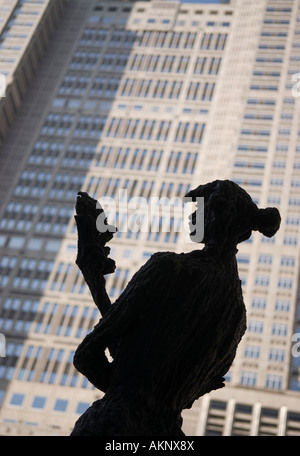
x=174 y=331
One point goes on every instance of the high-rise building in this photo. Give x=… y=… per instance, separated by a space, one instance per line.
x=25 y=29
x=145 y=99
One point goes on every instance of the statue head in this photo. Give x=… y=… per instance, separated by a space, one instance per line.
x=230 y=214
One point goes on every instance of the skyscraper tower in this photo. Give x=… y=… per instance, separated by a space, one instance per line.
x=145 y=99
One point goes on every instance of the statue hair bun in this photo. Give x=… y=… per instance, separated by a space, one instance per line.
x=268 y=221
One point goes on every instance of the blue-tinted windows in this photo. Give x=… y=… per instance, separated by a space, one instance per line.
x=214 y=41
x=148 y=88
x=279 y=329
x=277 y=354
x=181 y=162
x=282 y=305
x=274 y=381
x=147 y=129
x=46 y=153
x=205 y=65
x=105 y=86
x=60 y=405
x=287 y=261
x=82 y=407
x=171 y=40
x=189 y=132
x=255 y=326
x=259 y=302
x=265 y=258
x=248 y=378
x=17 y=399
x=39 y=402
x=252 y=351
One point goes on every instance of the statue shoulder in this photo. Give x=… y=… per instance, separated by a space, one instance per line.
x=167 y=261
x=159 y=267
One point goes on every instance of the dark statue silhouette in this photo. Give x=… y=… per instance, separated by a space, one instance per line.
x=174 y=331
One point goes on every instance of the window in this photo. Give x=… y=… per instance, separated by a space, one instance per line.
x=287 y=261
x=255 y=326
x=282 y=305
x=290 y=240
x=54 y=218
x=32 y=274
x=181 y=162
x=248 y=378
x=279 y=329
x=255 y=132
x=293 y=220
x=274 y=200
x=35 y=244
x=274 y=381
x=219 y=405
x=16 y=242
x=17 y=399
x=208 y=91
x=267 y=240
x=243 y=259
x=295 y=183
x=39 y=402
x=276 y=182
x=265 y=259
x=294 y=201
x=293 y=417
x=252 y=351
x=193 y=90
x=285 y=282
x=182 y=64
x=26 y=372
x=82 y=407
x=26 y=316
x=7 y=263
x=189 y=132
x=57 y=124
x=46 y=153
x=60 y=405
x=2 y=394
x=33 y=183
x=213 y=41
x=262 y=280
x=276 y=354
x=259 y=303
x=243 y=408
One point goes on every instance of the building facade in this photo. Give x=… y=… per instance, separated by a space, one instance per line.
x=133 y=101
x=25 y=29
